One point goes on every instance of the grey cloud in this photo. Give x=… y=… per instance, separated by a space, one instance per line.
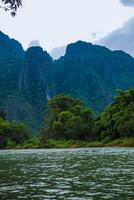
x=127 y=2
x=121 y=39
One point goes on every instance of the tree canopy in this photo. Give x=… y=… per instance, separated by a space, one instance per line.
x=117 y=121
x=68 y=119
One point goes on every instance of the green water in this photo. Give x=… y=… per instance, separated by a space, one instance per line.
x=70 y=174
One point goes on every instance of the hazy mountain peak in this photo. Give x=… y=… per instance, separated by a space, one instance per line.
x=57 y=52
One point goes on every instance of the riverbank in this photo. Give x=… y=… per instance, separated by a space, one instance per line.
x=35 y=144
x=127 y=142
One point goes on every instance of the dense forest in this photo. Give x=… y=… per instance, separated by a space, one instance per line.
x=68 y=119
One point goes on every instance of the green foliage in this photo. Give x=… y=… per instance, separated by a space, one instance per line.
x=26 y=82
x=92 y=73
x=29 y=79
x=12 y=134
x=72 y=144
x=118 y=119
x=32 y=143
x=68 y=119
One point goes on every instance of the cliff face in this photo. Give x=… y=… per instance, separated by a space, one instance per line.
x=26 y=81
x=93 y=73
x=35 y=77
x=29 y=79
x=11 y=60
x=35 y=81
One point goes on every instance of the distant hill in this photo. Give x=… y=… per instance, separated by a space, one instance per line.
x=29 y=79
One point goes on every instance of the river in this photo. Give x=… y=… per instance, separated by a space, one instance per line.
x=70 y=174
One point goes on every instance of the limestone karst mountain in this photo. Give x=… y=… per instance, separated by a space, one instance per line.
x=29 y=79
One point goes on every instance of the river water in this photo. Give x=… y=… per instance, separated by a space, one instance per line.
x=70 y=174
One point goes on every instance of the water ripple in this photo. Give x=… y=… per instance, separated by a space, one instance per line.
x=72 y=174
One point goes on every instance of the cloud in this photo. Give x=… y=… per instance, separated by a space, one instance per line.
x=121 y=39
x=57 y=52
x=34 y=43
x=127 y=2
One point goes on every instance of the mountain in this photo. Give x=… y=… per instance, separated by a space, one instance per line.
x=93 y=73
x=36 y=83
x=25 y=79
x=11 y=60
x=30 y=78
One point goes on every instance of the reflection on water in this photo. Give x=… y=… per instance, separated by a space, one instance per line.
x=70 y=174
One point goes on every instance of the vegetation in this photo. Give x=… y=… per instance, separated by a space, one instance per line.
x=29 y=79
x=68 y=119
x=122 y=142
x=11 y=5
x=93 y=73
x=117 y=121
x=12 y=133
x=69 y=123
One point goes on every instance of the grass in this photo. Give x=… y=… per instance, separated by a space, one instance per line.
x=125 y=142
x=34 y=143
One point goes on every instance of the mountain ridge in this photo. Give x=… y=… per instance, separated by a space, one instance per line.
x=86 y=71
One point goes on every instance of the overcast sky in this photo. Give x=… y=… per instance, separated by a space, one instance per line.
x=59 y=22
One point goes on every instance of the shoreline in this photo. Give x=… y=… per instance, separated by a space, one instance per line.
x=70 y=144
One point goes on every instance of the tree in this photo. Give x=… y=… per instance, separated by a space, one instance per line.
x=13 y=132
x=68 y=119
x=118 y=119
x=11 y=5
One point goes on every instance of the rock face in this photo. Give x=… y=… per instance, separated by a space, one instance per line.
x=29 y=79
x=93 y=73
x=11 y=60
x=26 y=81
x=36 y=82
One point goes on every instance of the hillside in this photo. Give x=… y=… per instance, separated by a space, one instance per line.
x=93 y=73
x=29 y=79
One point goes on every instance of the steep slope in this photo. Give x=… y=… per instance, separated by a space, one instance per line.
x=11 y=59
x=93 y=73
x=29 y=79
x=26 y=82
x=36 y=82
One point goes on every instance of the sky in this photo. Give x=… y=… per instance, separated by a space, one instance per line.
x=59 y=22
x=121 y=38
